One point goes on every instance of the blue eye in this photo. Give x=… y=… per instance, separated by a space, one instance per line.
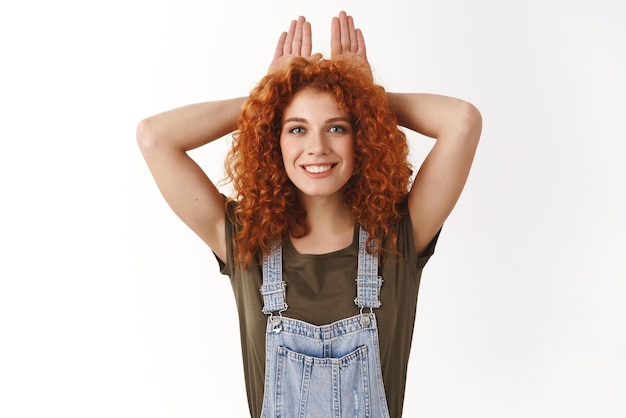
x=337 y=129
x=297 y=130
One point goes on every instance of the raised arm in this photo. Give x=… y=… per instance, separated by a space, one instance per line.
x=164 y=140
x=456 y=125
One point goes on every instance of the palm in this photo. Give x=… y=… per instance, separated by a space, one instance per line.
x=347 y=43
x=294 y=43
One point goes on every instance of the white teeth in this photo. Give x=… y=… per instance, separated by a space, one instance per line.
x=316 y=169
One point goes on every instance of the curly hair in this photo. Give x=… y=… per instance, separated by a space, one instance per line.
x=268 y=206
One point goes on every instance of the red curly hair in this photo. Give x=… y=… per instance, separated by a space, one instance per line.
x=268 y=206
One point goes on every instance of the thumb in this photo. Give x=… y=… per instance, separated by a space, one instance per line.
x=315 y=57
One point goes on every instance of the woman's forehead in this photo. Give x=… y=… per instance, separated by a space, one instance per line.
x=309 y=103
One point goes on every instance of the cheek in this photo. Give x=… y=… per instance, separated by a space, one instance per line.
x=282 y=150
x=288 y=157
x=352 y=157
x=286 y=154
x=350 y=151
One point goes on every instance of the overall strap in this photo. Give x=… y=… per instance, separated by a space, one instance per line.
x=368 y=282
x=273 y=289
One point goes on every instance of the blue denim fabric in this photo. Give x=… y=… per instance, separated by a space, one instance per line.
x=323 y=371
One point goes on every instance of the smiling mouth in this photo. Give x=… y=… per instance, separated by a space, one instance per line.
x=317 y=169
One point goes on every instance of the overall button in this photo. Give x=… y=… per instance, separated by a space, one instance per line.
x=277 y=324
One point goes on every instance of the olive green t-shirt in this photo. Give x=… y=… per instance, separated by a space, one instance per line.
x=321 y=290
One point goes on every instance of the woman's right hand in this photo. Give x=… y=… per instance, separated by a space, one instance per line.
x=294 y=43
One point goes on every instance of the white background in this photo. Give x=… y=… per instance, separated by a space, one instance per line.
x=110 y=307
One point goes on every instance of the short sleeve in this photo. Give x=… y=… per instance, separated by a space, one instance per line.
x=406 y=244
x=226 y=267
x=430 y=250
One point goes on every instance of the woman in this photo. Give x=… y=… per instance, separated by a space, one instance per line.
x=323 y=211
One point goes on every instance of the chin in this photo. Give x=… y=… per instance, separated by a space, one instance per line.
x=321 y=194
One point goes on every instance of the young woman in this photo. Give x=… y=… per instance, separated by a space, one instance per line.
x=326 y=237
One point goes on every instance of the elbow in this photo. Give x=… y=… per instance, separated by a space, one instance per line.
x=470 y=122
x=144 y=135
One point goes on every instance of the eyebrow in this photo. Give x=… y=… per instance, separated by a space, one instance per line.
x=302 y=120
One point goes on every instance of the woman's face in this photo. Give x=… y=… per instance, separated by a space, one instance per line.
x=316 y=141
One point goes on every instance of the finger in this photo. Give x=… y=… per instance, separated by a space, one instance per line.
x=307 y=44
x=289 y=38
x=345 y=32
x=280 y=45
x=361 y=50
x=296 y=43
x=335 y=37
x=315 y=57
x=352 y=34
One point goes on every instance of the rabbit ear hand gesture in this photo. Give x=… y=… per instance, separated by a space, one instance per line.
x=296 y=42
x=348 y=43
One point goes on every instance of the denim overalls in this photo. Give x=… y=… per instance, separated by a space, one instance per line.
x=323 y=371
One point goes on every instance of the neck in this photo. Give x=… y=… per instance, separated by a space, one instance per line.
x=330 y=226
x=326 y=214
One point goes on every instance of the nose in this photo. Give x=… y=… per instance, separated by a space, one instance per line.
x=317 y=143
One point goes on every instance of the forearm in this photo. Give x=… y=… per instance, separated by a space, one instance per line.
x=456 y=126
x=191 y=126
x=434 y=115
